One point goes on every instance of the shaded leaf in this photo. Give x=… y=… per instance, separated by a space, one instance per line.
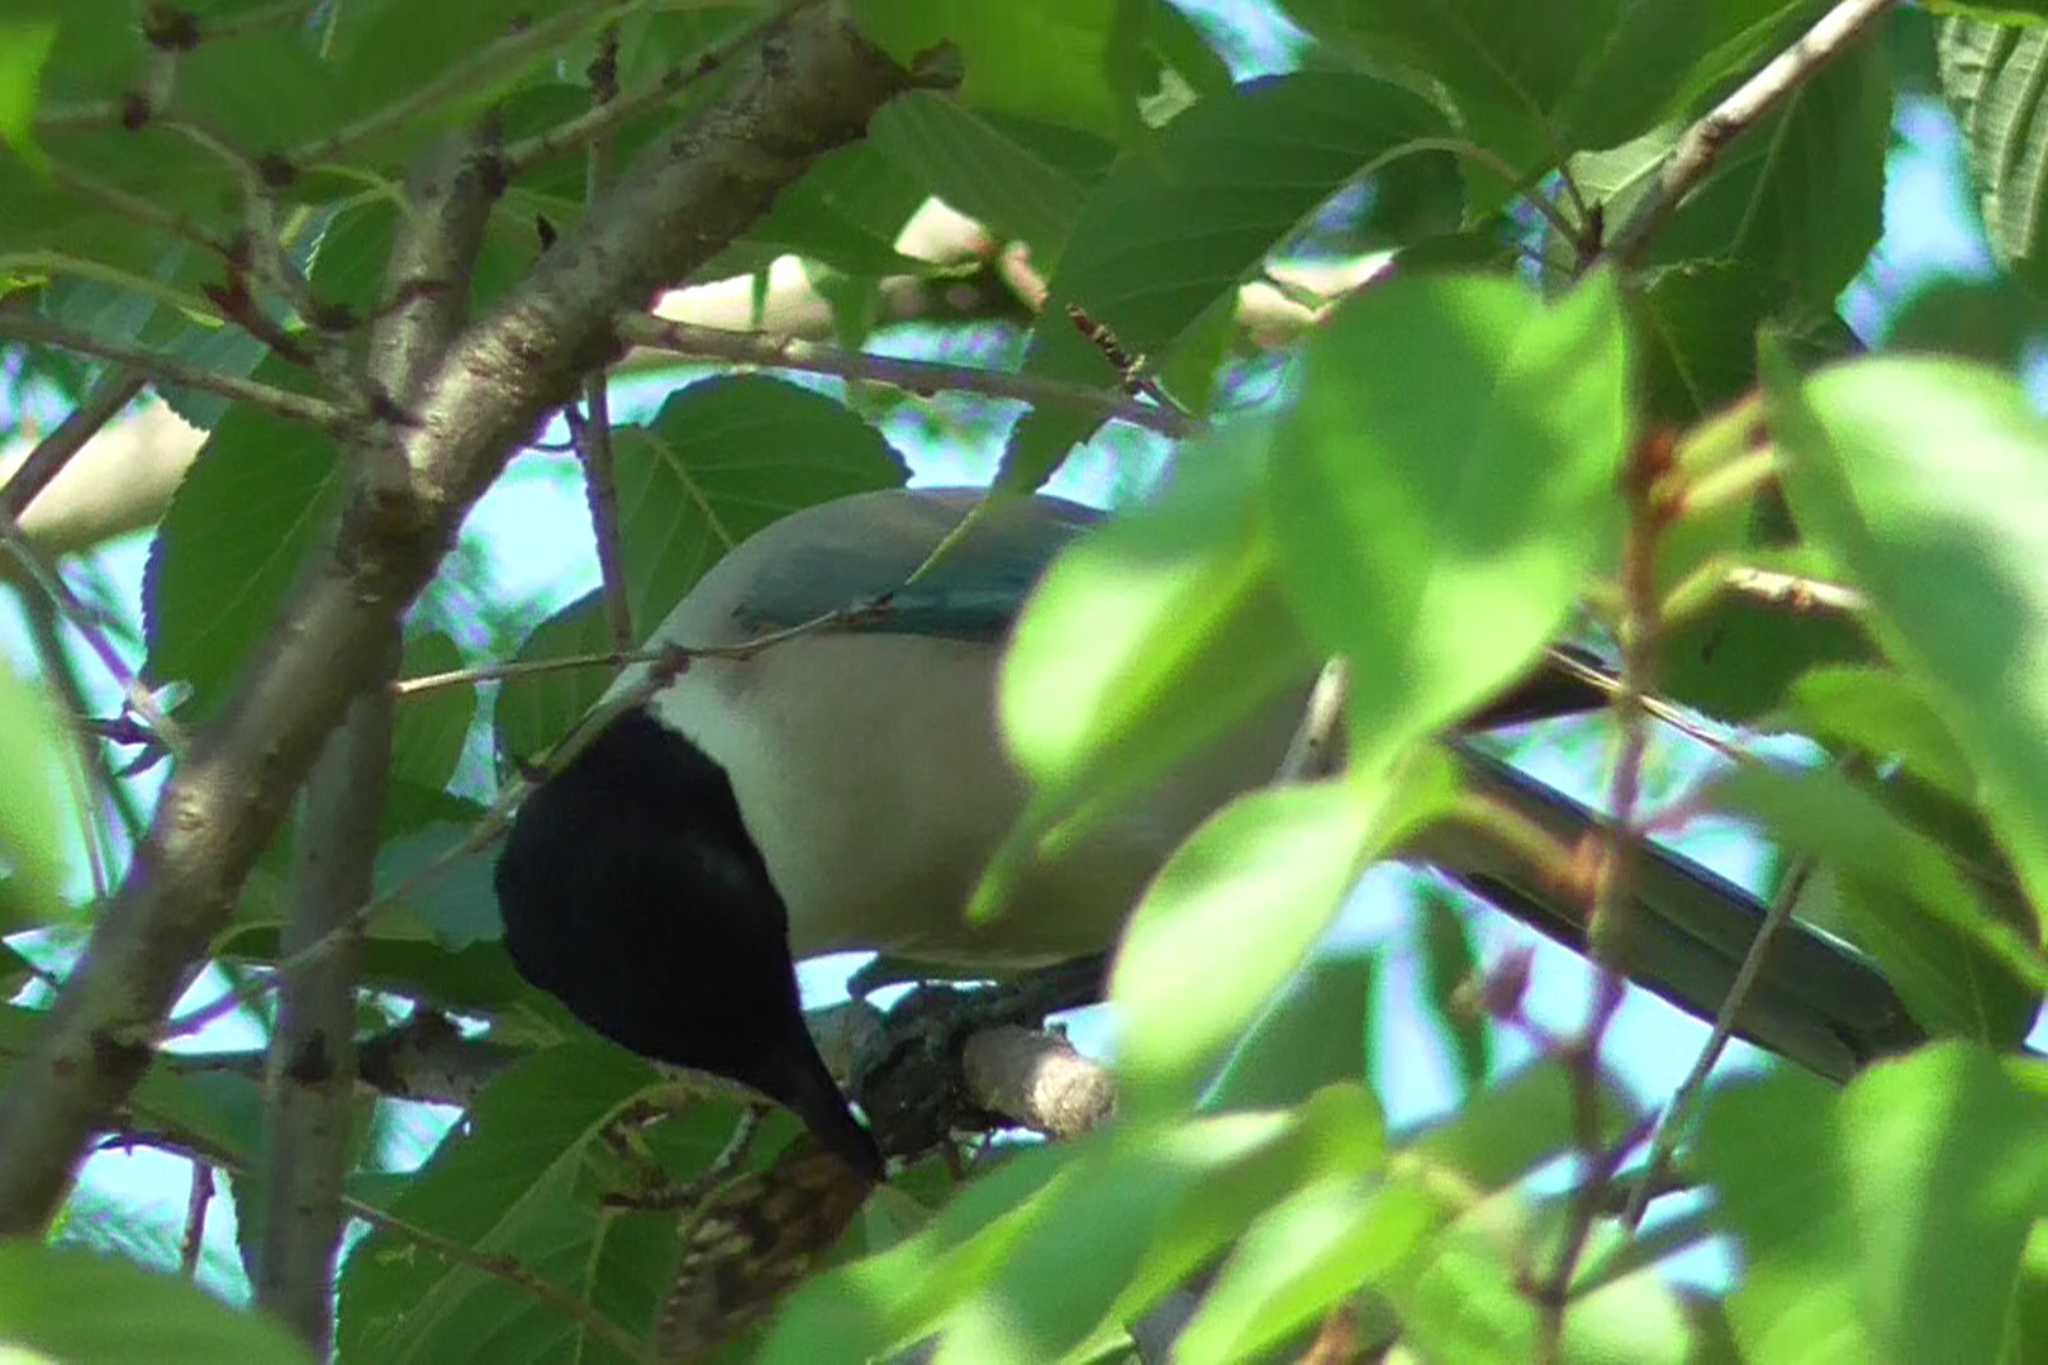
x=1181 y=221
x=211 y=590
x=1959 y=966
x=1317 y=1032
x=508 y=1184
x=1991 y=74
x=972 y=165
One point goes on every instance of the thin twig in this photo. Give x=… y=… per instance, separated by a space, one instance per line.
x=54 y=451
x=1498 y=165
x=917 y=376
x=488 y=64
x=1606 y=932
x=1672 y=1124
x=1314 y=750
x=522 y=668
x=606 y=118
x=195 y=1217
x=212 y=30
x=593 y=437
x=138 y=210
x=295 y=407
x=1794 y=593
x=139 y=697
x=1700 y=149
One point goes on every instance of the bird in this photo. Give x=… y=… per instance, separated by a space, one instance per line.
x=845 y=789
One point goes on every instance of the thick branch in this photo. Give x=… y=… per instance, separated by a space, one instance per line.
x=311 y=1071
x=1037 y=1079
x=809 y=86
x=1699 y=151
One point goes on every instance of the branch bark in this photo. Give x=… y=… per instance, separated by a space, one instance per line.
x=1699 y=151
x=311 y=1070
x=808 y=86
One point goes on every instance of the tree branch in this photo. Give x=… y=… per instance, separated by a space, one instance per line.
x=808 y=86
x=293 y=407
x=1037 y=1079
x=54 y=451
x=310 y=1078
x=1699 y=150
x=918 y=376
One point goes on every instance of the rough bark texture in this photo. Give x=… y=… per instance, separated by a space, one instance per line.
x=810 y=85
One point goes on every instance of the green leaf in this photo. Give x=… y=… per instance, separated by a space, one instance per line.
x=211 y=590
x=458 y=904
x=1696 y=331
x=72 y=1305
x=25 y=43
x=1181 y=221
x=1506 y=1131
x=1064 y=79
x=1959 y=967
x=1146 y=1209
x=1188 y=217
x=1991 y=74
x=1734 y=660
x=1946 y=1173
x=846 y=212
x=1928 y=481
x=509 y=1184
x=1445 y=486
x=1337 y=1130
x=1510 y=69
x=883 y=1301
x=1798 y=202
x=267 y=83
x=1232 y=914
x=1317 y=1032
x=432 y=726
x=1916 y=1186
x=36 y=798
x=1879 y=713
x=972 y=165
x=401 y=960
x=1147 y=641
x=389 y=50
x=1305 y=1255
x=534 y=712
x=1768 y=1151
x=1450 y=962
x=723 y=458
x=1666 y=58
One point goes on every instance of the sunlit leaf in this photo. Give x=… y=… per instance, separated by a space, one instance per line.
x=1928 y=480
x=72 y=1305
x=1446 y=484
x=1147 y=641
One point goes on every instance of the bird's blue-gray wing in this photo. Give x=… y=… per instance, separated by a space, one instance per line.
x=869 y=547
